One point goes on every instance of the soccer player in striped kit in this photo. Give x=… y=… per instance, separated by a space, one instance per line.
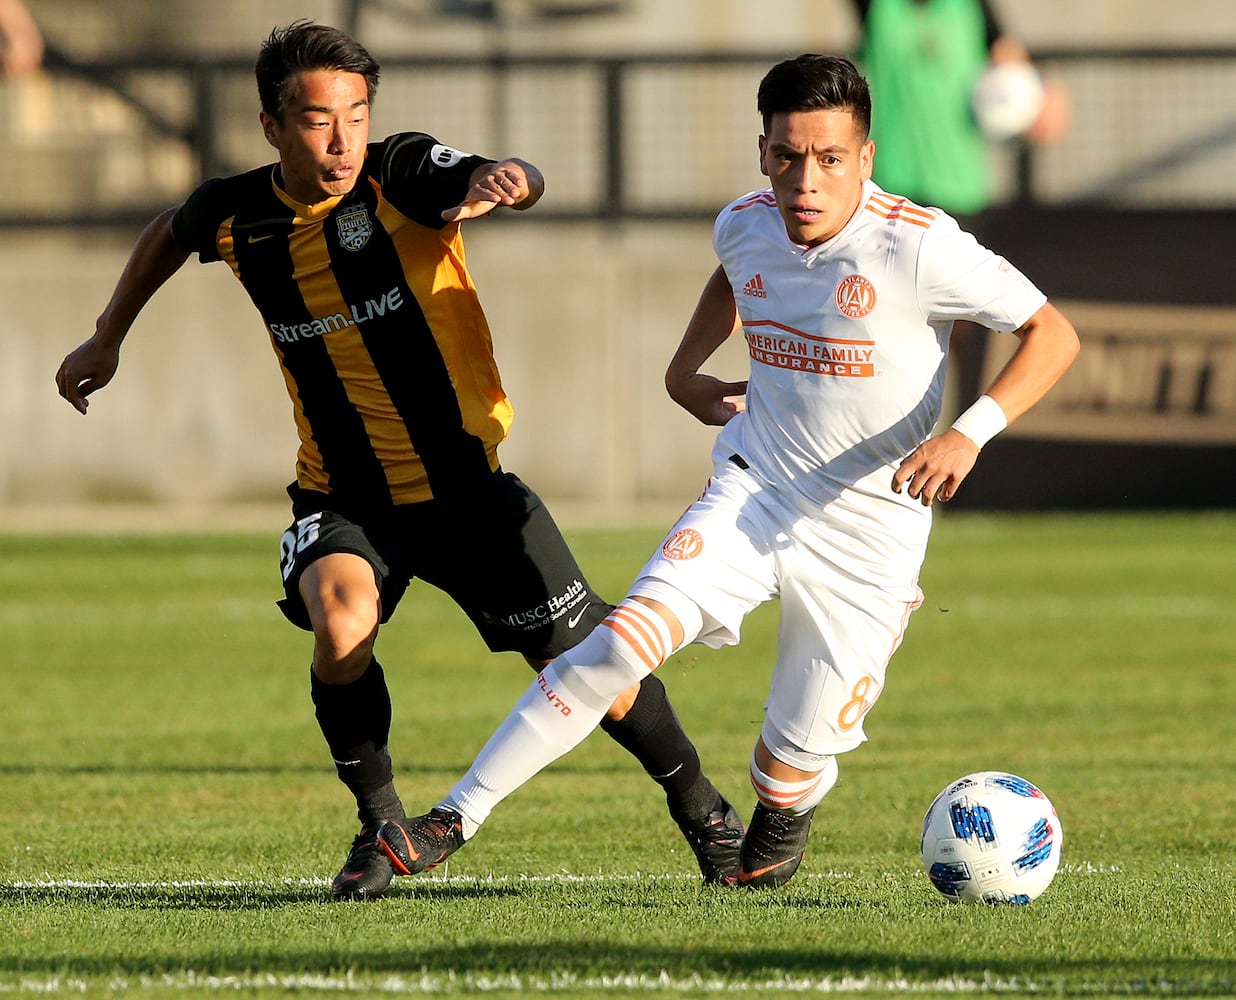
x=352 y=253
x=826 y=467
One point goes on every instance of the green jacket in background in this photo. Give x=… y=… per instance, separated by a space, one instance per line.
x=922 y=60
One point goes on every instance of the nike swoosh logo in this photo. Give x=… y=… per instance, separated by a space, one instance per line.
x=258 y=239
x=574 y=620
x=746 y=876
x=393 y=858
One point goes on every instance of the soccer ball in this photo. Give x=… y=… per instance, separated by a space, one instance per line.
x=1007 y=99
x=991 y=837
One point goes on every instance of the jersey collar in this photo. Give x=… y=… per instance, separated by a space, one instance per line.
x=307 y=213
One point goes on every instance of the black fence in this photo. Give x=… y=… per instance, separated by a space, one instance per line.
x=663 y=137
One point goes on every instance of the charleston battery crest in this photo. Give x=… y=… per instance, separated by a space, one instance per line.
x=355 y=227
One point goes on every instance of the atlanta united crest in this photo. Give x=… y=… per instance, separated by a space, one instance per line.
x=685 y=543
x=856 y=296
x=355 y=227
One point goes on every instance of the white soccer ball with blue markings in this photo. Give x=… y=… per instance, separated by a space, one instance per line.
x=991 y=837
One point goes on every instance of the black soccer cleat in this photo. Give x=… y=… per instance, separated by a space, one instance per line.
x=366 y=873
x=773 y=847
x=716 y=843
x=421 y=842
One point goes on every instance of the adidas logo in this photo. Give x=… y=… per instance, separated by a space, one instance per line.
x=755 y=287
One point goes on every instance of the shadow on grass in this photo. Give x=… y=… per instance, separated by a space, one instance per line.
x=380 y=940
x=541 y=964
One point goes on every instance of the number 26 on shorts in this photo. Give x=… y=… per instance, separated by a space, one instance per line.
x=294 y=542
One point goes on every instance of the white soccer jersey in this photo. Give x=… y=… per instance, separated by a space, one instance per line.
x=849 y=343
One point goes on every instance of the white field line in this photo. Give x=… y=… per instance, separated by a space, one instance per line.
x=564 y=984
x=1076 y=868
x=449 y=982
x=562 y=877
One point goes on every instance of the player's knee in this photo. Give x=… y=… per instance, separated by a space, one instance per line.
x=682 y=615
x=630 y=643
x=622 y=704
x=340 y=581
x=345 y=625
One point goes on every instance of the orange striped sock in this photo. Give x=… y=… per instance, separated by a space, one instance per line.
x=794 y=797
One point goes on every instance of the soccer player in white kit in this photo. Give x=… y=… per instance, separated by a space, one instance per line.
x=825 y=470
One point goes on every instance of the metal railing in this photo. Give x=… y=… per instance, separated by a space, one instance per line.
x=664 y=137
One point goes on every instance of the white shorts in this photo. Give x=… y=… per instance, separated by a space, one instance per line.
x=742 y=544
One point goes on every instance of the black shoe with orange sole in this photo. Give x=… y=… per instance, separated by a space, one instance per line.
x=716 y=843
x=773 y=848
x=421 y=842
x=366 y=873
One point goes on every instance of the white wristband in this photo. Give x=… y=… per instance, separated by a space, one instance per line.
x=982 y=421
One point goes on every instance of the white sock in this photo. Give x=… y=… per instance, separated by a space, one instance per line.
x=561 y=707
x=544 y=724
x=794 y=797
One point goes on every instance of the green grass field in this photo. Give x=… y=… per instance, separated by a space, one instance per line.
x=170 y=819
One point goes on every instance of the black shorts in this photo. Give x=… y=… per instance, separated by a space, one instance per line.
x=498 y=554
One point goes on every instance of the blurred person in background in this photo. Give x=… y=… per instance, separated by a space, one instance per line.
x=352 y=253
x=21 y=41
x=922 y=60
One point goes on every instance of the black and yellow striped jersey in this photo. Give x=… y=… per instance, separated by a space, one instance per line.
x=371 y=311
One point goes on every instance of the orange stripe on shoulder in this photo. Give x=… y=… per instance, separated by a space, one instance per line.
x=897 y=209
x=762 y=198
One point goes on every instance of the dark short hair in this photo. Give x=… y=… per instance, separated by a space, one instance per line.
x=303 y=46
x=816 y=83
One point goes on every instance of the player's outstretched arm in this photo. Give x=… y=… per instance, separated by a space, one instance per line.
x=512 y=182
x=155 y=257
x=936 y=469
x=708 y=399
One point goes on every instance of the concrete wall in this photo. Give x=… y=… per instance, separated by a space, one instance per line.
x=585 y=317
x=584 y=320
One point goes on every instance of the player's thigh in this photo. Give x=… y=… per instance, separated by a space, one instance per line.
x=835 y=639
x=504 y=561
x=313 y=576
x=340 y=591
x=720 y=555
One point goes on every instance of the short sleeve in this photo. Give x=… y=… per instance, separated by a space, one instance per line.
x=196 y=225
x=958 y=278
x=422 y=177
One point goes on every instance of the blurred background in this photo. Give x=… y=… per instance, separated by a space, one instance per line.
x=641 y=113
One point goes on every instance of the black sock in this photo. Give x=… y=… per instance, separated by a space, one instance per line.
x=651 y=733
x=356 y=721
